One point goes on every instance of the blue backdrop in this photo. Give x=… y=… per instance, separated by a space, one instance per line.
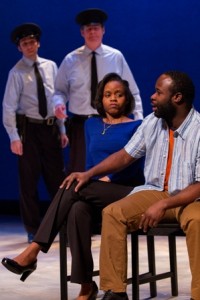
x=154 y=35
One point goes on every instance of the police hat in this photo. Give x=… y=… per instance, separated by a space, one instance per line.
x=92 y=15
x=25 y=30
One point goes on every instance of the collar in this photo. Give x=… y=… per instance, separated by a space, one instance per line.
x=30 y=62
x=88 y=51
x=181 y=131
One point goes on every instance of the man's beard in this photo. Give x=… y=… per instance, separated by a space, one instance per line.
x=166 y=111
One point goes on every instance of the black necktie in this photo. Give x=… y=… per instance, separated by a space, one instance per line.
x=94 y=79
x=41 y=92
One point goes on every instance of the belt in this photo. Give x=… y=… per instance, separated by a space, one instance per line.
x=49 y=122
x=84 y=117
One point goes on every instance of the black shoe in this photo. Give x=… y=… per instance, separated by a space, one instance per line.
x=14 y=267
x=109 y=295
x=94 y=291
x=30 y=237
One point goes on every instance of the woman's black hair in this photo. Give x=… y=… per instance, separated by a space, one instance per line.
x=130 y=101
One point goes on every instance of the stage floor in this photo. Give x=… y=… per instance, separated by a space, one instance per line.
x=44 y=283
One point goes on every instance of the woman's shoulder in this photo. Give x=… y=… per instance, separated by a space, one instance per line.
x=132 y=123
x=93 y=122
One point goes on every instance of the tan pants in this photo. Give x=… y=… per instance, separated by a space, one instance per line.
x=122 y=217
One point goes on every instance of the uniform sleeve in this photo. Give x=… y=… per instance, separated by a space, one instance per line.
x=10 y=105
x=61 y=85
x=127 y=74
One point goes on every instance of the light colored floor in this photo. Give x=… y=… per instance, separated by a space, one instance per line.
x=43 y=284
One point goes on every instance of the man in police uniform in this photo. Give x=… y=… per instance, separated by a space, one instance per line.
x=36 y=137
x=73 y=82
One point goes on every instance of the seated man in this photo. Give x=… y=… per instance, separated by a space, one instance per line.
x=170 y=139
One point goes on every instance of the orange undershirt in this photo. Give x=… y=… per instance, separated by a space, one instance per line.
x=169 y=158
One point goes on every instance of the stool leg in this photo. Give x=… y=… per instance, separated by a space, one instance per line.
x=151 y=263
x=63 y=263
x=173 y=264
x=135 y=266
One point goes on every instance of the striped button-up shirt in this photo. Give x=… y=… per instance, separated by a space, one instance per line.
x=152 y=140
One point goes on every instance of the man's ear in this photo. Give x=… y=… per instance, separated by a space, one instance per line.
x=19 y=48
x=177 y=97
x=82 y=32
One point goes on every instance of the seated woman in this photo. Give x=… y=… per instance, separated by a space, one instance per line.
x=105 y=135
